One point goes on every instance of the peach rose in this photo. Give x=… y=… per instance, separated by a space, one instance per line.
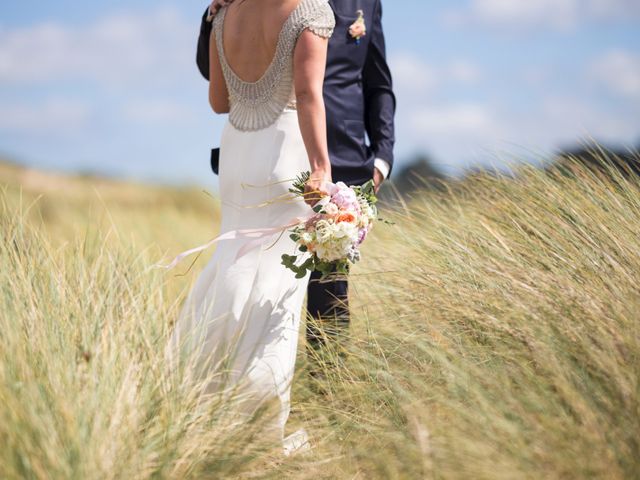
x=346 y=217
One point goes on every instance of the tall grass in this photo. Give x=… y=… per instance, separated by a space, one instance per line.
x=495 y=334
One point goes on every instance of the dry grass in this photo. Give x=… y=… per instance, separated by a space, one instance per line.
x=496 y=334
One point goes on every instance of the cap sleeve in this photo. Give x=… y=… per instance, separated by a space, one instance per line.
x=319 y=19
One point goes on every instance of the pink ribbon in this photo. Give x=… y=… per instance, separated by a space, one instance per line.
x=256 y=234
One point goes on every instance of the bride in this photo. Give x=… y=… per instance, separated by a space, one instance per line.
x=267 y=66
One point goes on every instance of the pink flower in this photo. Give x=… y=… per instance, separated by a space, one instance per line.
x=333 y=188
x=345 y=198
x=362 y=235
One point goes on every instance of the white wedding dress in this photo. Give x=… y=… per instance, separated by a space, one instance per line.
x=242 y=318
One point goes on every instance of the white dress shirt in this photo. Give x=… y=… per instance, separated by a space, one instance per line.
x=382 y=166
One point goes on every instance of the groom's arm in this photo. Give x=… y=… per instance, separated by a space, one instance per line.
x=380 y=101
x=202 y=54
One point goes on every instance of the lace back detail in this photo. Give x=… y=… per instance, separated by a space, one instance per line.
x=256 y=105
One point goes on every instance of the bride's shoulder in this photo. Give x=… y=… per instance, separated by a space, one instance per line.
x=317 y=16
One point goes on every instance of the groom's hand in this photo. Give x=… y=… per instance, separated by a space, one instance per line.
x=378 y=178
x=216 y=5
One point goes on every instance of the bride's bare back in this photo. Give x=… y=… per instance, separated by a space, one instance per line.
x=266 y=54
x=251 y=31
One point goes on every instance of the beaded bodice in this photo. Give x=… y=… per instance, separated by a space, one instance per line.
x=256 y=105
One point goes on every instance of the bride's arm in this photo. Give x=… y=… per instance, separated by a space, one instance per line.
x=309 y=62
x=218 y=93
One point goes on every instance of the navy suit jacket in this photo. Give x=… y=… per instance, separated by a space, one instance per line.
x=358 y=92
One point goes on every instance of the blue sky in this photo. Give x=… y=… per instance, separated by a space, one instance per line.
x=112 y=86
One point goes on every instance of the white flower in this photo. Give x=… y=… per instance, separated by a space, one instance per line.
x=323 y=231
x=331 y=209
x=325 y=200
x=346 y=230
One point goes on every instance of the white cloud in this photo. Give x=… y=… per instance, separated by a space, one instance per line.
x=158 y=111
x=56 y=115
x=613 y=9
x=425 y=120
x=412 y=75
x=463 y=71
x=563 y=119
x=515 y=15
x=454 y=120
x=454 y=134
x=117 y=49
x=558 y=13
x=468 y=133
x=619 y=72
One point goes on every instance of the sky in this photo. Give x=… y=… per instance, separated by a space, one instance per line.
x=112 y=87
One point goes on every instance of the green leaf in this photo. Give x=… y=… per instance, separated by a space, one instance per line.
x=289 y=261
x=299 y=183
x=309 y=264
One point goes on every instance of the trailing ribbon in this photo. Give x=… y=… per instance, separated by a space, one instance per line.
x=256 y=234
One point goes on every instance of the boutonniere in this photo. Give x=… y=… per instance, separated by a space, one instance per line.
x=358 y=29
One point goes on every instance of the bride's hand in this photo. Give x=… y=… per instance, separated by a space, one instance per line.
x=315 y=188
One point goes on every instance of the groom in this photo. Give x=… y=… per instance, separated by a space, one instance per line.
x=359 y=100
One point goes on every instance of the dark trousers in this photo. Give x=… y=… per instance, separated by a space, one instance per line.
x=328 y=305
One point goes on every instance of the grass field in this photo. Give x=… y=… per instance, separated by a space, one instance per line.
x=495 y=335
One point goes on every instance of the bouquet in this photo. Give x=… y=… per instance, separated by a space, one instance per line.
x=330 y=240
